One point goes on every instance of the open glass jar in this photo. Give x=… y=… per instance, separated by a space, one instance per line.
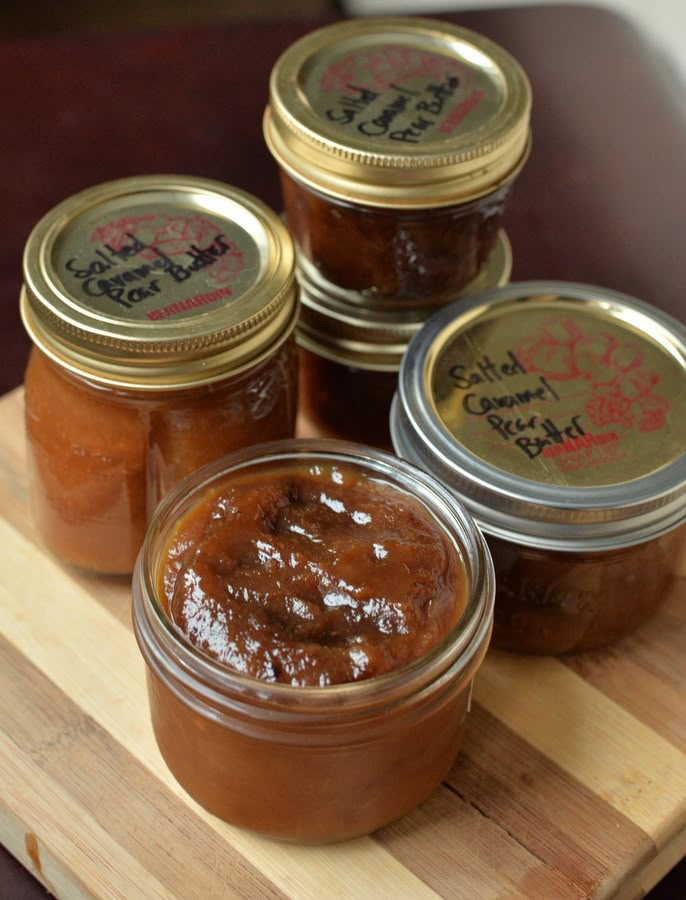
x=350 y=354
x=313 y=760
x=398 y=140
x=162 y=312
x=555 y=412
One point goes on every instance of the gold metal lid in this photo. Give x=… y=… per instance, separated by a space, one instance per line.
x=556 y=410
x=408 y=112
x=159 y=281
x=340 y=325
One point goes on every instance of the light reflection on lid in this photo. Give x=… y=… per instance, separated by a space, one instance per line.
x=555 y=410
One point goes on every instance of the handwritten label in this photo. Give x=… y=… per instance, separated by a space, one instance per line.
x=560 y=393
x=532 y=434
x=424 y=108
x=397 y=94
x=121 y=275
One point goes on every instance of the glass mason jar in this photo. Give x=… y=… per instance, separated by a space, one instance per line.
x=555 y=412
x=162 y=312
x=398 y=141
x=350 y=354
x=321 y=761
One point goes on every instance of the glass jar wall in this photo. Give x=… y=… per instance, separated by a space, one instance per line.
x=261 y=728
x=162 y=313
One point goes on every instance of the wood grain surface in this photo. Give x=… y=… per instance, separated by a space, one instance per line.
x=571 y=782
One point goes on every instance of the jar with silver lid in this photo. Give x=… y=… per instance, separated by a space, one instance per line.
x=555 y=411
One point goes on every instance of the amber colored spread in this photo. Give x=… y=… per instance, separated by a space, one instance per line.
x=408 y=257
x=330 y=397
x=101 y=458
x=315 y=782
x=555 y=602
x=311 y=575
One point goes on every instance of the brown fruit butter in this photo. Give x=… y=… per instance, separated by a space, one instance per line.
x=350 y=354
x=100 y=459
x=398 y=141
x=347 y=402
x=394 y=257
x=162 y=313
x=312 y=615
x=554 y=602
x=555 y=412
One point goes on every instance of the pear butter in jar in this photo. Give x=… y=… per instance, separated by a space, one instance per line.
x=556 y=412
x=312 y=615
x=162 y=311
x=350 y=354
x=398 y=141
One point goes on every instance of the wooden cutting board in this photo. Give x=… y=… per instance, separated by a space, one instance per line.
x=571 y=782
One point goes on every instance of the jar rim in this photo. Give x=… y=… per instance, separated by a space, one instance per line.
x=167 y=377
x=464 y=644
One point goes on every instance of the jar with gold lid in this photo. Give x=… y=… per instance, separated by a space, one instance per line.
x=398 y=140
x=161 y=310
x=555 y=411
x=350 y=353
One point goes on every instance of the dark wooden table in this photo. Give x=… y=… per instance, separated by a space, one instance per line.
x=602 y=199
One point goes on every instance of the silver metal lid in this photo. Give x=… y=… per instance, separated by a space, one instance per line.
x=556 y=411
